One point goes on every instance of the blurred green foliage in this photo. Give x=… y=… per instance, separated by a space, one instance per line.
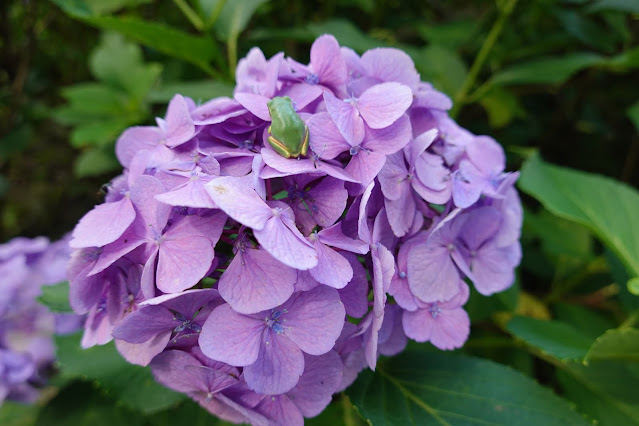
x=547 y=78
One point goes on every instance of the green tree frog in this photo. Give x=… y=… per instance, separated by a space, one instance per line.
x=288 y=135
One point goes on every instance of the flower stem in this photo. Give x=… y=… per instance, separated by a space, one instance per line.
x=489 y=42
x=190 y=14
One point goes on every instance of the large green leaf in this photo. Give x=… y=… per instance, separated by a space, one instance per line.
x=616 y=345
x=557 y=339
x=235 y=16
x=609 y=208
x=56 y=297
x=171 y=41
x=121 y=64
x=441 y=66
x=81 y=403
x=551 y=70
x=420 y=387
x=132 y=385
x=16 y=414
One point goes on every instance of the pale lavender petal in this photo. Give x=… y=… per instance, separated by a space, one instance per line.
x=153 y=213
x=324 y=137
x=354 y=295
x=281 y=238
x=332 y=268
x=135 y=139
x=322 y=375
x=432 y=275
x=104 y=224
x=255 y=281
x=145 y=324
x=388 y=64
x=333 y=236
x=280 y=411
x=487 y=155
x=315 y=319
x=327 y=61
x=193 y=194
x=230 y=337
x=492 y=271
x=180 y=127
x=217 y=110
x=346 y=118
x=143 y=353
x=389 y=140
x=169 y=369
x=382 y=104
x=255 y=103
x=237 y=198
x=278 y=367
x=365 y=165
x=183 y=262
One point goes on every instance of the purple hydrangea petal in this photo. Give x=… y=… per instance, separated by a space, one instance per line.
x=278 y=367
x=332 y=268
x=231 y=337
x=327 y=61
x=346 y=118
x=315 y=319
x=255 y=281
x=237 y=198
x=354 y=295
x=382 y=104
x=387 y=65
x=143 y=353
x=104 y=224
x=322 y=375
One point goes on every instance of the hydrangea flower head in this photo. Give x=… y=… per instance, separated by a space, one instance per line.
x=27 y=327
x=256 y=280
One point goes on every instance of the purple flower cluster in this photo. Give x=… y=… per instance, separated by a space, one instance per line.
x=26 y=327
x=257 y=284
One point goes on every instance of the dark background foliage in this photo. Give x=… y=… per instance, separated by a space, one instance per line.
x=558 y=77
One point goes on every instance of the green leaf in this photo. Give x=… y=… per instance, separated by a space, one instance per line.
x=559 y=237
x=121 y=64
x=132 y=385
x=557 y=339
x=95 y=99
x=629 y=6
x=551 y=70
x=589 y=322
x=95 y=162
x=502 y=107
x=200 y=91
x=633 y=286
x=619 y=345
x=595 y=401
x=452 y=35
x=82 y=404
x=609 y=208
x=101 y=132
x=15 y=414
x=187 y=413
x=624 y=61
x=419 y=387
x=346 y=34
x=235 y=16
x=442 y=67
x=56 y=297
x=95 y=7
x=633 y=114
x=171 y=41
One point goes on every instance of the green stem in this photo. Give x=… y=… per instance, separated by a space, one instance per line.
x=190 y=14
x=347 y=407
x=215 y=14
x=231 y=51
x=485 y=49
x=632 y=319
